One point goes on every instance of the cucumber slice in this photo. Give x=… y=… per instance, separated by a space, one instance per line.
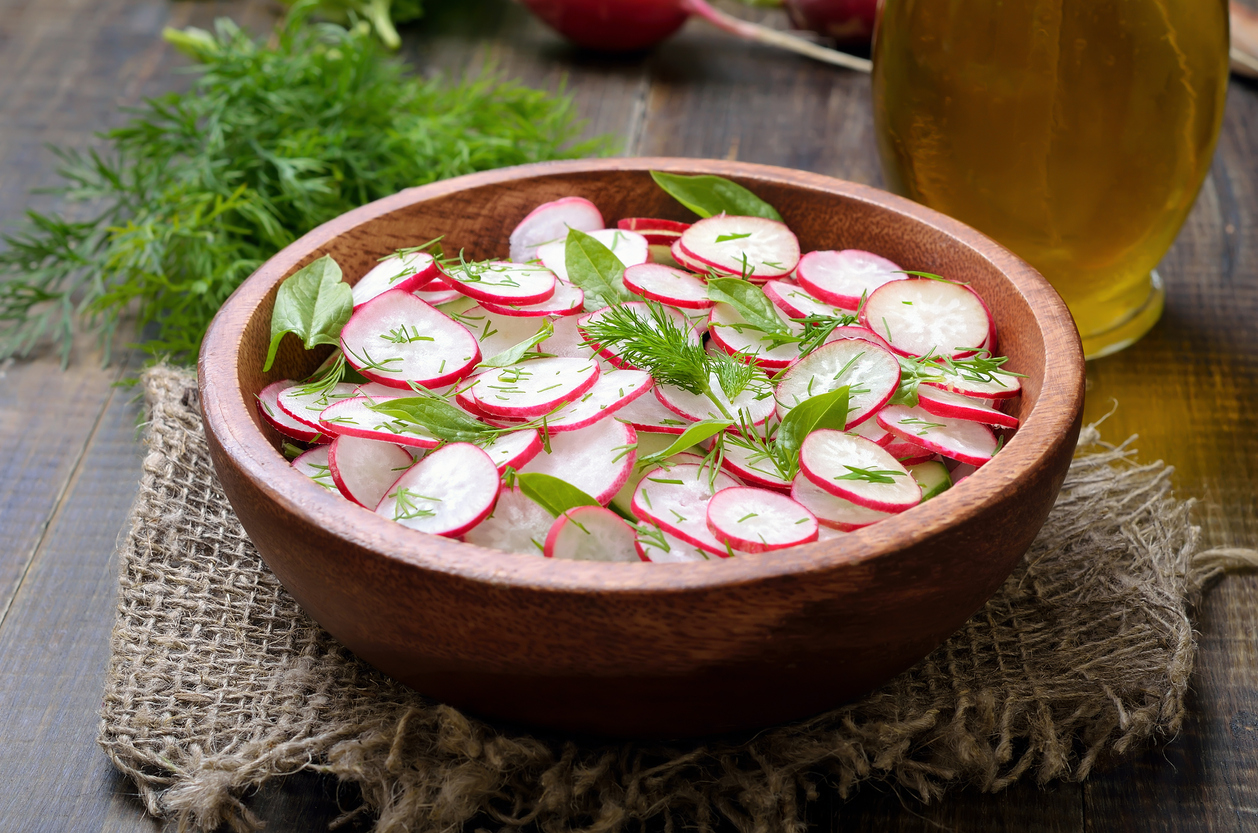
x=933 y=477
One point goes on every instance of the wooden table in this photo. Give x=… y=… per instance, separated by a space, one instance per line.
x=71 y=451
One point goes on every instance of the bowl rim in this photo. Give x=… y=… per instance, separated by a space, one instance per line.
x=1044 y=430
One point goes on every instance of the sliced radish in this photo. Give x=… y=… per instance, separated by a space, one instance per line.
x=273 y=415
x=752 y=466
x=945 y=403
x=397 y=339
x=667 y=285
x=409 y=271
x=840 y=464
x=353 y=418
x=995 y=386
x=592 y=533
x=662 y=548
x=756 y=402
x=514 y=449
x=656 y=231
x=921 y=316
x=684 y=260
x=610 y=393
x=759 y=520
x=663 y=255
x=305 y=406
x=797 y=303
x=501 y=282
x=825 y=533
x=532 y=388
x=859 y=333
x=676 y=499
x=843 y=278
x=753 y=246
x=597 y=460
x=314 y=464
x=365 y=469
x=732 y=334
x=551 y=221
x=567 y=340
x=647 y=413
x=446 y=493
x=437 y=297
x=969 y=442
x=909 y=454
x=831 y=510
x=518 y=524
x=629 y=247
x=567 y=300
x=872 y=431
x=871 y=373
x=643 y=313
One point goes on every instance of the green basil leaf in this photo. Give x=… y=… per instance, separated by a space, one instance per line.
x=552 y=494
x=708 y=195
x=693 y=435
x=314 y=303
x=512 y=355
x=827 y=410
x=595 y=270
x=751 y=302
x=437 y=417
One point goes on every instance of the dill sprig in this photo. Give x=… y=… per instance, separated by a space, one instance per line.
x=654 y=343
x=200 y=187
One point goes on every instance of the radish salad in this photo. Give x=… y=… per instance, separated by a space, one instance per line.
x=649 y=391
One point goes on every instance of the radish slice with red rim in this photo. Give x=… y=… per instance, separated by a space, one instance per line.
x=411 y=272
x=597 y=460
x=858 y=470
x=592 y=533
x=758 y=520
x=493 y=332
x=397 y=339
x=446 y=493
x=364 y=469
x=995 y=385
x=551 y=221
x=860 y=333
x=751 y=465
x=872 y=431
x=797 y=303
x=683 y=259
x=629 y=247
x=969 y=442
x=754 y=246
x=613 y=391
x=843 y=278
x=833 y=511
x=648 y=414
x=567 y=300
x=314 y=464
x=514 y=449
x=501 y=282
x=667 y=285
x=922 y=316
x=353 y=418
x=656 y=231
x=567 y=340
x=273 y=415
x=305 y=405
x=730 y=332
x=659 y=547
x=871 y=373
x=517 y=524
x=909 y=454
x=532 y=388
x=437 y=297
x=756 y=401
x=945 y=403
x=676 y=500
x=643 y=313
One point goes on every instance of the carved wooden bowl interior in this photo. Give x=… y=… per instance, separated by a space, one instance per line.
x=646 y=649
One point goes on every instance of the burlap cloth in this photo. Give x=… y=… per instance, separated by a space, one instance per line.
x=218 y=682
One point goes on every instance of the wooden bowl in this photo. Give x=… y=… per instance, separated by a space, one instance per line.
x=641 y=649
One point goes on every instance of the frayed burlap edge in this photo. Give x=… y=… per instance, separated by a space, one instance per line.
x=218 y=682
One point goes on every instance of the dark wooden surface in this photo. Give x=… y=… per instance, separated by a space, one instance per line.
x=71 y=456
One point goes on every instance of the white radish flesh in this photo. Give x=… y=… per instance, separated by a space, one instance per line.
x=872 y=431
x=437 y=297
x=732 y=334
x=352 y=418
x=532 y=388
x=314 y=464
x=676 y=499
x=758 y=520
x=945 y=403
x=756 y=401
x=305 y=406
x=552 y=221
x=610 y=393
x=514 y=449
x=364 y=469
x=397 y=339
x=843 y=278
x=798 y=303
x=493 y=332
x=567 y=300
x=833 y=511
x=629 y=247
x=753 y=246
x=969 y=442
x=643 y=313
x=991 y=386
x=592 y=533
x=858 y=470
x=921 y=316
x=871 y=373
x=859 y=333
x=501 y=282
x=518 y=524
x=909 y=454
x=597 y=460
x=682 y=259
x=648 y=414
x=446 y=493
x=662 y=548
x=411 y=272
x=567 y=340
x=272 y=414
x=675 y=287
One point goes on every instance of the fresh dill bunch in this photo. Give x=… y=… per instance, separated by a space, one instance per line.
x=200 y=187
x=654 y=343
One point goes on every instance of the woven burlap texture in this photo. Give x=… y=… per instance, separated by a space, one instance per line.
x=218 y=682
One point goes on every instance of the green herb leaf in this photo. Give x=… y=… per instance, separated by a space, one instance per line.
x=695 y=434
x=708 y=195
x=827 y=410
x=552 y=494
x=750 y=302
x=512 y=355
x=437 y=417
x=313 y=303
x=595 y=271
